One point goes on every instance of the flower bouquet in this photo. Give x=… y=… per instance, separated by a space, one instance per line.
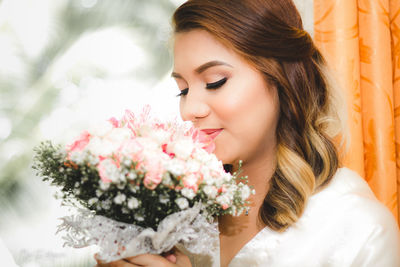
x=141 y=186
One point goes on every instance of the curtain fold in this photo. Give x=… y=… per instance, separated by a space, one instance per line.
x=394 y=13
x=360 y=40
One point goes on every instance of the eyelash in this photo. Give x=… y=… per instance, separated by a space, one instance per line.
x=183 y=92
x=210 y=86
x=217 y=84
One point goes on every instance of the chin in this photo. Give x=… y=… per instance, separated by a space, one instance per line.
x=223 y=157
x=223 y=152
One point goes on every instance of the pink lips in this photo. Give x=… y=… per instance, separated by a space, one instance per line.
x=212 y=133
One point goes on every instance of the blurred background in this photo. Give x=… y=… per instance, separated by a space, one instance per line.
x=63 y=65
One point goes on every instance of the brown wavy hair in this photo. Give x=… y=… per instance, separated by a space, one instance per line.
x=269 y=34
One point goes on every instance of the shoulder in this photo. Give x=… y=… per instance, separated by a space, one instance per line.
x=350 y=194
x=358 y=222
x=348 y=199
x=346 y=182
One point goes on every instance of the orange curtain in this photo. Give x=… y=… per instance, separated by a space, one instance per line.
x=361 y=42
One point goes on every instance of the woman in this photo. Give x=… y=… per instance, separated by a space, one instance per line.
x=251 y=77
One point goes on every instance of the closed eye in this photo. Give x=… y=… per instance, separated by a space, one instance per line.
x=183 y=92
x=217 y=84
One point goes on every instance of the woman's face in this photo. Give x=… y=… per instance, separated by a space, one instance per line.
x=226 y=97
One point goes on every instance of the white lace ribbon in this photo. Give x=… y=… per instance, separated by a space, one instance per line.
x=118 y=240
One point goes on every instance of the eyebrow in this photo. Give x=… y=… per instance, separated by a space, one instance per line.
x=204 y=67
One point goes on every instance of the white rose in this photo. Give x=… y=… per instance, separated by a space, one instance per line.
x=157 y=154
x=166 y=179
x=133 y=203
x=119 y=199
x=78 y=156
x=144 y=130
x=92 y=201
x=117 y=135
x=207 y=178
x=121 y=185
x=148 y=143
x=132 y=175
x=192 y=166
x=244 y=192
x=163 y=199
x=122 y=177
x=101 y=128
x=106 y=204
x=227 y=177
x=182 y=203
x=210 y=191
x=94 y=145
x=98 y=193
x=160 y=136
x=129 y=147
x=218 y=181
x=224 y=199
x=183 y=148
x=109 y=147
x=125 y=210
x=133 y=188
x=203 y=156
x=175 y=166
x=104 y=186
x=187 y=192
x=93 y=160
x=232 y=188
x=98 y=146
x=215 y=165
x=111 y=170
x=139 y=218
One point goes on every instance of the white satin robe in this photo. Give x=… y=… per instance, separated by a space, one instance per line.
x=343 y=225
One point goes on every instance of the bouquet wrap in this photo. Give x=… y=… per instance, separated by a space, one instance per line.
x=120 y=240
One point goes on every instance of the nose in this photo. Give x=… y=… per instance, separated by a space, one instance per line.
x=194 y=106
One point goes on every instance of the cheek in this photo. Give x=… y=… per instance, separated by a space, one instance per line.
x=246 y=103
x=229 y=106
x=181 y=110
x=249 y=114
x=234 y=101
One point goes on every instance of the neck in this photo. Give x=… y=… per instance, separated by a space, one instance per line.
x=259 y=173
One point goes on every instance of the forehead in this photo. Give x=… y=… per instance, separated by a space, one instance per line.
x=196 y=47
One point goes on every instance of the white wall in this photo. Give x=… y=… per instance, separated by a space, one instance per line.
x=306 y=8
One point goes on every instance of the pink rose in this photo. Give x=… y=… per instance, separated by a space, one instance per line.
x=154 y=173
x=191 y=181
x=164 y=149
x=131 y=147
x=107 y=167
x=81 y=142
x=205 y=139
x=115 y=122
x=210 y=147
x=222 y=189
x=102 y=172
x=160 y=126
x=130 y=120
